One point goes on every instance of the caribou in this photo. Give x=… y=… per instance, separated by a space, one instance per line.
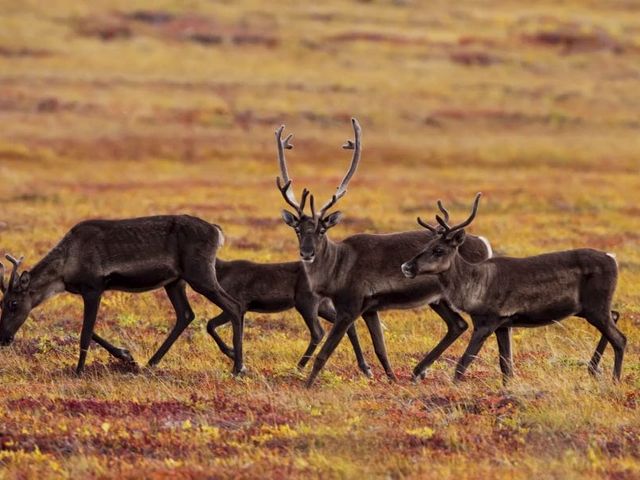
x=132 y=255
x=504 y=292
x=276 y=287
x=361 y=274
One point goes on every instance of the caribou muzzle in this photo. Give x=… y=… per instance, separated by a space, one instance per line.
x=409 y=269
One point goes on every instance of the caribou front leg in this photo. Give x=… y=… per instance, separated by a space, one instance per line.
x=483 y=327
x=456 y=325
x=343 y=322
x=91 y=305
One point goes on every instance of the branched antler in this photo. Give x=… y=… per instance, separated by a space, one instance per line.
x=443 y=222
x=443 y=210
x=16 y=263
x=3 y=288
x=426 y=225
x=284 y=184
x=356 y=146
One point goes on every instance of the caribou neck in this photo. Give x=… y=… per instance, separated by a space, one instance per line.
x=47 y=277
x=464 y=284
x=324 y=269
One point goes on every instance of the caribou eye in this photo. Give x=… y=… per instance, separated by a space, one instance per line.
x=438 y=252
x=13 y=306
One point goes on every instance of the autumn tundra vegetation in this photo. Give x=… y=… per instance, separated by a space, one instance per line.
x=117 y=110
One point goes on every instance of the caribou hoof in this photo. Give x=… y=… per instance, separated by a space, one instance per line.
x=417 y=377
x=238 y=373
x=367 y=372
x=125 y=356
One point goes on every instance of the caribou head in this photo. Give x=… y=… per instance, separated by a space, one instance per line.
x=439 y=252
x=311 y=229
x=16 y=301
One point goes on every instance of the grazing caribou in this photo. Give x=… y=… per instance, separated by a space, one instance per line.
x=133 y=255
x=361 y=274
x=276 y=287
x=504 y=292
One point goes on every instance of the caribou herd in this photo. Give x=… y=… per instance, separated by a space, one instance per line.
x=439 y=265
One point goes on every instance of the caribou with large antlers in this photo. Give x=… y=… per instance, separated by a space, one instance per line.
x=504 y=292
x=133 y=255
x=361 y=274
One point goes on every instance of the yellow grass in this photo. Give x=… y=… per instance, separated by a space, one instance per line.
x=454 y=98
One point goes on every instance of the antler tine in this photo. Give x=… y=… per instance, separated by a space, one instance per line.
x=313 y=207
x=303 y=201
x=443 y=224
x=329 y=204
x=474 y=211
x=426 y=225
x=356 y=146
x=444 y=211
x=2 y=286
x=282 y=146
x=16 y=264
x=284 y=189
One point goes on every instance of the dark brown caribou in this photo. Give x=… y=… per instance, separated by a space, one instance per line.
x=504 y=292
x=361 y=273
x=133 y=255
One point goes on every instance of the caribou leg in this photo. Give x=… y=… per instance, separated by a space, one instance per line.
x=483 y=327
x=602 y=345
x=91 y=305
x=503 y=336
x=343 y=322
x=377 y=337
x=456 y=326
x=184 y=316
x=117 y=352
x=212 y=325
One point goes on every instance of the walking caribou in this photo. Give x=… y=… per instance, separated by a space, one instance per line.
x=504 y=292
x=133 y=255
x=361 y=274
x=276 y=287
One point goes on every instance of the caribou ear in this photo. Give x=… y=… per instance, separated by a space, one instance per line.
x=25 y=280
x=458 y=238
x=289 y=218
x=332 y=220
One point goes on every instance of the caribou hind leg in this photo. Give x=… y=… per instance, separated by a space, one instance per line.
x=212 y=325
x=117 y=352
x=602 y=345
x=618 y=340
x=184 y=316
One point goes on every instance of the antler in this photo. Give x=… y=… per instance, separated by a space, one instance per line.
x=444 y=211
x=426 y=225
x=16 y=264
x=3 y=288
x=474 y=211
x=356 y=146
x=284 y=184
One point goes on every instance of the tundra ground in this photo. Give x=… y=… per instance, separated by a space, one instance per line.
x=127 y=108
